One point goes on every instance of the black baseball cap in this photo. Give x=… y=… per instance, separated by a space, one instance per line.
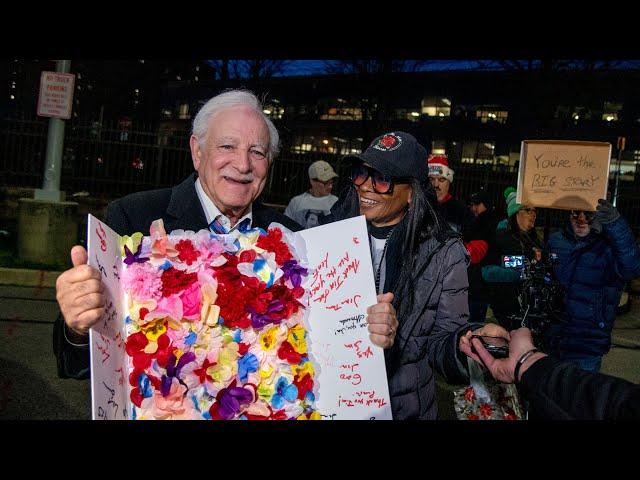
x=397 y=154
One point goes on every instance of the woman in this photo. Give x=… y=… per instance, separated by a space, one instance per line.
x=418 y=258
x=519 y=239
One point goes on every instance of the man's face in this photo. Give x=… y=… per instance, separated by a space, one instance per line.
x=320 y=188
x=477 y=208
x=580 y=223
x=441 y=186
x=234 y=162
x=383 y=209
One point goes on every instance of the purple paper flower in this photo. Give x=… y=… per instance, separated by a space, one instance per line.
x=259 y=320
x=134 y=257
x=231 y=400
x=294 y=272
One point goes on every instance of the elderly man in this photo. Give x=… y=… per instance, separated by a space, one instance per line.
x=232 y=146
x=309 y=207
x=596 y=255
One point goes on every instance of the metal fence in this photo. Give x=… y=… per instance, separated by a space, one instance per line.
x=109 y=161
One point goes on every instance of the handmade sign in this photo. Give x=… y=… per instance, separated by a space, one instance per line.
x=207 y=326
x=569 y=175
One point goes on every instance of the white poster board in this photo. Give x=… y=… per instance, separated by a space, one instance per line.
x=56 y=95
x=351 y=380
x=569 y=175
x=109 y=384
x=352 y=373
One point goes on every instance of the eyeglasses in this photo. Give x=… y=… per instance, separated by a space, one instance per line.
x=575 y=214
x=380 y=182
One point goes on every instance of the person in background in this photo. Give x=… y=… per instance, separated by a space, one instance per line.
x=557 y=390
x=519 y=238
x=477 y=237
x=451 y=209
x=308 y=207
x=596 y=255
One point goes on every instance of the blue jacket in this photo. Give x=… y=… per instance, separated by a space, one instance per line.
x=593 y=271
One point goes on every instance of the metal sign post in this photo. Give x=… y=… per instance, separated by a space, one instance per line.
x=55 y=101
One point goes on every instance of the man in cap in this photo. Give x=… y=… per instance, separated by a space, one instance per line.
x=309 y=207
x=451 y=209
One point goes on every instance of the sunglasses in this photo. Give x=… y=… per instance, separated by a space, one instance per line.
x=380 y=182
x=588 y=215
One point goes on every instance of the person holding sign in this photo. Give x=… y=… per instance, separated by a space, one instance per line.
x=508 y=249
x=596 y=256
x=420 y=264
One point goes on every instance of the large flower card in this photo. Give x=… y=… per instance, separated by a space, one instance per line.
x=252 y=324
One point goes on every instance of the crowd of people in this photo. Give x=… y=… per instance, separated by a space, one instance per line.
x=439 y=263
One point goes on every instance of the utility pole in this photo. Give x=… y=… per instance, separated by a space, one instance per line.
x=621 y=145
x=55 y=140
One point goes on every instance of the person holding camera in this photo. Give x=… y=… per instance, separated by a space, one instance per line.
x=507 y=253
x=557 y=390
x=596 y=256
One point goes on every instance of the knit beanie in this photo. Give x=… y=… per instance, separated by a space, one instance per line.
x=439 y=167
x=510 y=197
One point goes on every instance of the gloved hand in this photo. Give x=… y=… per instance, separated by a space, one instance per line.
x=605 y=213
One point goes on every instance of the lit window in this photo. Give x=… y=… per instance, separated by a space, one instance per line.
x=184 y=111
x=436 y=107
x=196 y=78
x=488 y=114
x=610 y=111
x=12 y=97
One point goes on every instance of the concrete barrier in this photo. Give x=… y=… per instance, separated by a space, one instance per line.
x=46 y=231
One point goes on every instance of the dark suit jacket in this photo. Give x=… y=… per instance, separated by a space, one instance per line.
x=180 y=208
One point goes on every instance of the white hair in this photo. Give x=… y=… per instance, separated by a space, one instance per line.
x=233 y=98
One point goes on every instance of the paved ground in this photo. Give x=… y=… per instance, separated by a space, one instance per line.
x=30 y=388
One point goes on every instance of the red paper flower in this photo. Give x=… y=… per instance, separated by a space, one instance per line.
x=286 y=352
x=202 y=371
x=473 y=416
x=186 y=251
x=469 y=394
x=485 y=410
x=175 y=281
x=248 y=256
x=272 y=242
x=304 y=385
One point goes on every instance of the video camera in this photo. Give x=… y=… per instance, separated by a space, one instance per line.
x=541 y=295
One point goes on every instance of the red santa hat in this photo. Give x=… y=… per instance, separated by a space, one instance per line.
x=439 y=167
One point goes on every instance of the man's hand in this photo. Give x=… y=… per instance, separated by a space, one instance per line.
x=502 y=369
x=489 y=330
x=79 y=292
x=605 y=213
x=382 y=320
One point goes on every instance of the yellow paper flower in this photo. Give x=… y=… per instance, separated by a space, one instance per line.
x=296 y=339
x=300 y=371
x=131 y=242
x=154 y=329
x=268 y=338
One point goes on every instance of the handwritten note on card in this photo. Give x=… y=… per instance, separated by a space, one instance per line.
x=352 y=374
x=563 y=174
x=109 y=376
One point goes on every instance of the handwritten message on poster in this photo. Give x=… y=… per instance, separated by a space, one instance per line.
x=563 y=174
x=109 y=376
x=352 y=375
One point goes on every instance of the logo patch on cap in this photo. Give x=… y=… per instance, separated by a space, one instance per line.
x=388 y=142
